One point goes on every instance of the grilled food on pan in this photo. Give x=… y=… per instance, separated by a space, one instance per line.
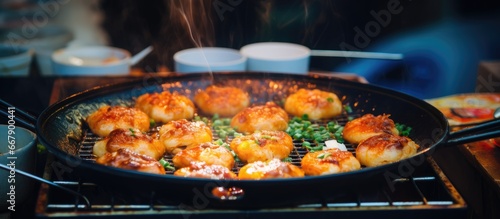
x=131 y=139
x=265 y=117
x=209 y=153
x=180 y=134
x=262 y=146
x=109 y=118
x=224 y=101
x=315 y=103
x=202 y=170
x=367 y=126
x=274 y=168
x=165 y=106
x=127 y=159
x=328 y=162
x=385 y=148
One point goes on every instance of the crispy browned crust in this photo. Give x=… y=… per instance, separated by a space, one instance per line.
x=224 y=101
x=367 y=126
x=315 y=103
x=126 y=159
x=265 y=117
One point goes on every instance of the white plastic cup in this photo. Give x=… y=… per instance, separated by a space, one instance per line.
x=23 y=158
x=209 y=59
x=277 y=57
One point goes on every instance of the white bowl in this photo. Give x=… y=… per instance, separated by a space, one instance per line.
x=209 y=59
x=277 y=57
x=91 y=61
x=15 y=60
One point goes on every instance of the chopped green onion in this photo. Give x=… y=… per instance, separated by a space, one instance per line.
x=40 y=148
x=219 y=142
x=132 y=132
x=215 y=116
x=166 y=164
x=266 y=137
x=152 y=123
x=323 y=155
x=288 y=159
x=329 y=99
x=403 y=130
x=348 y=109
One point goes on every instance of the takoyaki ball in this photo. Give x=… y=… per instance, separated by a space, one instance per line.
x=165 y=106
x=270 y=169
x=329 y=162
x=181 y=134
x=265 y=117
x=127 y=159
x=109 y=118
x=385 y=148
x=209 y=153
x=223 y=101
x=315 y=103
x=132 y=139
x=262 y=146
x=202 y=170
x=367 y=126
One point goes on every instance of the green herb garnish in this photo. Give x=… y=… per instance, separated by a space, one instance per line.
x=40 y=148
x=403 y=130
x=347 y=109
x=301 y=129
x=132 y=132
x=329 y=99
x=222 y=126
x=336 y=129
x=323 y=155
x=166 y=164
x=288 y=159
x=152 y=123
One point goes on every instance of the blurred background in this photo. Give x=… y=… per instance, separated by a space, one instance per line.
x=442 y=41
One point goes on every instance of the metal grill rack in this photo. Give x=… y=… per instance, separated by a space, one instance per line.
x=427 y=193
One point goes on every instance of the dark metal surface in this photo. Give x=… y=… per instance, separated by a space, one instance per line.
x=60 y=129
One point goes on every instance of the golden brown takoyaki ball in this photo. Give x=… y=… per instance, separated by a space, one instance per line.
x=109 y=118
x=367 y=126
x=328 y=162
x=262 y=146
x=165 y=106
x=202 y=170
x=209 y=153
x=132 y=139
x=385 y=148
x=127 y=159
x=270 y=169
x=223 y=101
x=180 y=134
x=315 y=103
x=264 y=117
